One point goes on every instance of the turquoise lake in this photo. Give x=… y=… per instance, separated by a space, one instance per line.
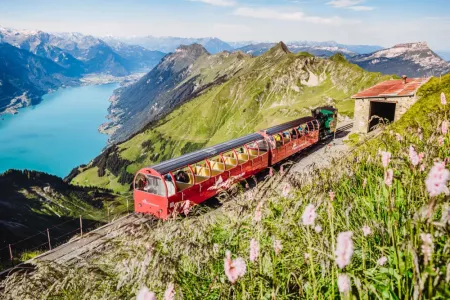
x=58 y=134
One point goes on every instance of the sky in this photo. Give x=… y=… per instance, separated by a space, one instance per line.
x=370 y=22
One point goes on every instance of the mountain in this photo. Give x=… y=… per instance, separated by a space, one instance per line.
x=413 y=59
x=83 y=54
x=25 y=77
x=254 y=93
x=33 y=201
x=324 y=49
x=138 y=58
x=179 y=77
x=316 y=49
x=170 y=44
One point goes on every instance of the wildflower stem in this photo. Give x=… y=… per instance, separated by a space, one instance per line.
x=311 y=262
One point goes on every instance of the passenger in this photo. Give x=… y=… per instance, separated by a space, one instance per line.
x=294 y=134
x=168 y=177
x=182 y=176
x=142 y=183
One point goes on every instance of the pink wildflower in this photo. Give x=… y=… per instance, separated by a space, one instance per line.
x=286 y=190
x=413 y=156
x=169 y=294
x=344 y=249
x=309 y=215
x=318 y=229
x=254 y=250
x=399 y=137
x=366 y=230
x=277 y=246
x=145 y=294
x=385 y=158
x=421 y=156
x=388 y=177
x=258 y=214
x=331 y=195
x=247 y=186
x=444 y=127
x=306 y=255
x=364 y=183
x=281 y=170
x=441 y=141
x=344 y=283
x=270 y=172
x=186 y=207
x=436 y=181
x=443 y=99
x=234 y=268
x=381 y=261
x=427 y=246
x=422 y=167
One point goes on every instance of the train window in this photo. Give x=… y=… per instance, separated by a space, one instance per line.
x=262 y=145
x=183 y=178
x=170 y=184
x=201 y=171
x=278 y=140
x=150 y=184
x=286 y=137
x=217 y=165
x=242 y=155
x=294 y=135
x=253 y=150
x=230 y=159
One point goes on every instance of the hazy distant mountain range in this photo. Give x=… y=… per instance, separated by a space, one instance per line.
x=52 y=60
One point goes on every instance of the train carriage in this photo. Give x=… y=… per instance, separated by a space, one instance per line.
x=195 y=177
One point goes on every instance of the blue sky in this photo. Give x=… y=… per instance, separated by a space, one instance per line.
x=382 y=22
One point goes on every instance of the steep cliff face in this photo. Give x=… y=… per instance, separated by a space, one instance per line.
x=413 y=59
x=267 y=90
x=178 y=78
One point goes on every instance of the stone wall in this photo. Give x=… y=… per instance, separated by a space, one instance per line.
x=362 y=110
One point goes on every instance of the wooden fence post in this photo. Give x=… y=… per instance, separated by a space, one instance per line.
x=11 y=255
x=81 y=226
x=48 y=236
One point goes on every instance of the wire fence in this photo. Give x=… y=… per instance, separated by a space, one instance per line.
x=51 y=237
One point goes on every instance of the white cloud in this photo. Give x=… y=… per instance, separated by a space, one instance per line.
x=361 y=8
x=217 y=2
x=344 y=3
x=270 y=14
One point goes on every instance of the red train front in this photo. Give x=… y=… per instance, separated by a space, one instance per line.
x=195 y=177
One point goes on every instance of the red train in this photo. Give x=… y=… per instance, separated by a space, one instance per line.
x=192 y=178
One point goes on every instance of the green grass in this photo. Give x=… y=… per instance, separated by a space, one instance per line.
x=190 y=252
x=268 y=90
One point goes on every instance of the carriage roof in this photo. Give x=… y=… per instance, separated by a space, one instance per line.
x=197 y=156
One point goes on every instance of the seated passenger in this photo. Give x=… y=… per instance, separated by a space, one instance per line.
x=182 y=176
x=142 y=183
x=294 y=134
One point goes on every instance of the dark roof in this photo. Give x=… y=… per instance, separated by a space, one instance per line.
x=288 y=125
x=197 y=156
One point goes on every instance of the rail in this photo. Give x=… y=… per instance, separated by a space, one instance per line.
x=53 y=241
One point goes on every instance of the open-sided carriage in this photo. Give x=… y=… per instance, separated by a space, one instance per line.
x=192 y=178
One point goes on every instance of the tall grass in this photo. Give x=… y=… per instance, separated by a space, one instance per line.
x=392 y=257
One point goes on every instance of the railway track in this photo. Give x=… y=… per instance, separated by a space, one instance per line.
x=77 y=249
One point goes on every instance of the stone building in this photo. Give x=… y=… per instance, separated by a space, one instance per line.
x=387 y=100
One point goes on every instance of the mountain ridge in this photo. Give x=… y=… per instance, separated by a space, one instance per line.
x=411 y=59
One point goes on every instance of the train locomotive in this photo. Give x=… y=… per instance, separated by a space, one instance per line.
x=171 y=186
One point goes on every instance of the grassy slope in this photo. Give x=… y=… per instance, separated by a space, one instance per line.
x=32 y=201
x=190 y=252
x=269 y=90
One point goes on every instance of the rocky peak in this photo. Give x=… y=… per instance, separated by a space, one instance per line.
x=194 y=50
x=278 y=50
